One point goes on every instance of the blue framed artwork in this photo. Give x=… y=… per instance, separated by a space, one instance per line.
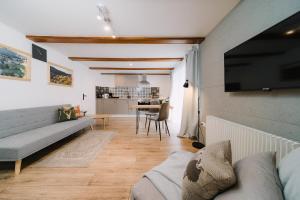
x=14 y=64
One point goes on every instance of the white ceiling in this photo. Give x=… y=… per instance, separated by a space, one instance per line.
x=186 y=18
x=124 y=50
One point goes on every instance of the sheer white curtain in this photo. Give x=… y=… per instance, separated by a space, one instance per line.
x=176 y=97
x=190 y=100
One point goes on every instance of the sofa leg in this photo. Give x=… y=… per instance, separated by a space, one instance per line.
x=18 y=165
x=92 y=128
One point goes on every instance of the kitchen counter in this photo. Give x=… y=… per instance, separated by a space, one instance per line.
x=115 y=106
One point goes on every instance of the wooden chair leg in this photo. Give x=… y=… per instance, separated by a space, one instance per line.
x=156 y=126
x=148 y=127
x=159 y=131
x=18 y=165
x=167 y=128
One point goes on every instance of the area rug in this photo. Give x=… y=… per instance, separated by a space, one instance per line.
x=78 y=152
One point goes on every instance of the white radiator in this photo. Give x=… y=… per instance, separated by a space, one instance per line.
x=246 y=141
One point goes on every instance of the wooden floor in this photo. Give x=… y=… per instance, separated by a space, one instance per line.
x=110 y=176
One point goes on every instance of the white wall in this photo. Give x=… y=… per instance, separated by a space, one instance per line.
x=276 y=112
x=37 y=92
x=126 y=81
x=105 y=80
x=163 y=82
x=177 y=92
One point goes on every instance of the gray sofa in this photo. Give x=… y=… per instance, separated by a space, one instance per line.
x=26 y=131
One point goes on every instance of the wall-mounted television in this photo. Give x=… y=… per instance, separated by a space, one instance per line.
x=270 y=60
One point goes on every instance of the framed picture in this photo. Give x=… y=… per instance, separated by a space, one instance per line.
x=59 y=75
x=39 y=53
x=14 y=64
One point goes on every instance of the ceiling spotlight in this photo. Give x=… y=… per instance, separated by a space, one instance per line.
x=104 y=15
x=107 y=27
x=290 y=32
x=99 y=5
x=99 y=17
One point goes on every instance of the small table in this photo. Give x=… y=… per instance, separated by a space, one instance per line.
x=104 y=117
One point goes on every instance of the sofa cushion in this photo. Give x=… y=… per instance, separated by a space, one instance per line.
x=289 y=173
x=66 y=114
x=24 y=144
x=257 y=178
x=20 y=120
x=208 y=173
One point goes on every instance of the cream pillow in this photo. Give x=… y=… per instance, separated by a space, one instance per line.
x=209 y=172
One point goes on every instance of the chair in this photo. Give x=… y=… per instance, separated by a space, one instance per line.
x=162 y=116
x=152 y=111
x=139 y=110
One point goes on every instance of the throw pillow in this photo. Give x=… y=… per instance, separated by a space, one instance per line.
x=257 y=178
x=289 y=173
x=77 y=111
x=209 y=172
x=66 y=114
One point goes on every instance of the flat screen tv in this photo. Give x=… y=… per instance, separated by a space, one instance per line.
x=270 y=60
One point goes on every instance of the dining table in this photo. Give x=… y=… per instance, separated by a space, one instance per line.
x=138 y=109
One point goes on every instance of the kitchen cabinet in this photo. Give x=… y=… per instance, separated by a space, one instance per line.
x=115 y=106
x=109 y=106
x=132 y=102
x=121 y=106
x=99 y=106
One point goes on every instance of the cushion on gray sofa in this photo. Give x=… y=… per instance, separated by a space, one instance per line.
x=257 y=179
x=289 y=173
x=21 y=145
x=209 y=172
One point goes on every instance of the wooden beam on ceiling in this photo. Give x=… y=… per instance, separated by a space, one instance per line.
x=132 y=68
x=117 y=40
x=162 y=74
x=126 y=59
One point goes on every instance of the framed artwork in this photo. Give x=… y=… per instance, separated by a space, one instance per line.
x=59 y=75
x=39 y=53
x=14 y=64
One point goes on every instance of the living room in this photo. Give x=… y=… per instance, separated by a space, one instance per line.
x=142 y=100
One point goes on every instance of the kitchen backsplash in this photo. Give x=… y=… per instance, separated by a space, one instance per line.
x=128 y=92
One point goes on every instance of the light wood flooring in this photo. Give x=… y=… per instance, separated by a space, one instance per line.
x=110 y=176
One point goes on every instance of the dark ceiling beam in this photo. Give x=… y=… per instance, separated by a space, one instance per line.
x=126 y=59
x=117 y=40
